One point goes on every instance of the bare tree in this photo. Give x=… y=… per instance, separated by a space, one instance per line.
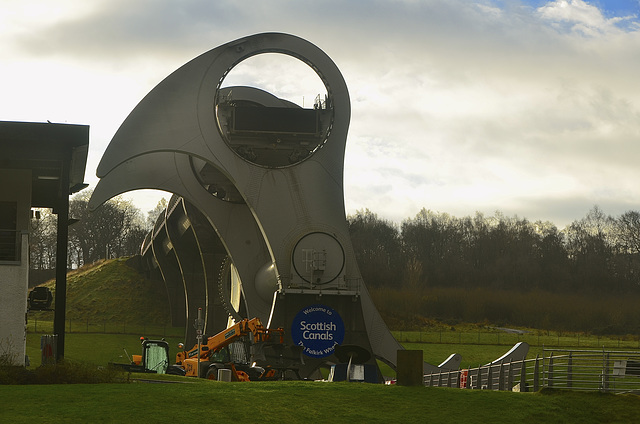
x=627 y=230
x=114 y=229
x=42 y=239
x=377 y=247
x=154 y=213
x=590 y=249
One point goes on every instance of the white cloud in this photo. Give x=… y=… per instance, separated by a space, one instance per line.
x=581 y=16
x=457 y=106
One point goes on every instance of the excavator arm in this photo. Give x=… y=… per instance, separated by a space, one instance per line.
x=248 y=330
x=251 y=328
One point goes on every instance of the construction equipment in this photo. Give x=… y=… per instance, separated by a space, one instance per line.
x=247 y=351
x=154 y=359
x=243 y=349
x=40 y=299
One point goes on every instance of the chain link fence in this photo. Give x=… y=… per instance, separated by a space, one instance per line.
x=539 y=338
x=35 y=325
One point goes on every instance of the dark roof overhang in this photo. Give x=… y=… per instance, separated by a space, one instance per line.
x=48 y=150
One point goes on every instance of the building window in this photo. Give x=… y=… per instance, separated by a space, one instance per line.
x=8 y=234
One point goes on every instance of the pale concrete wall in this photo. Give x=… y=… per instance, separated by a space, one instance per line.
x=14 y=281
x=15 y=185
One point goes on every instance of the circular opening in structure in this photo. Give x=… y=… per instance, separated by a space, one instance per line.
x=214 y=181
x=284 y=76
x=273 y=110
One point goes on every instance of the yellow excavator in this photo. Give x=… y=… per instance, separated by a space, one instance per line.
x=247 y=350
x=238 y=349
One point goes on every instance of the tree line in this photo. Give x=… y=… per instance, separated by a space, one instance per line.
x=595 y=254
x=115 y=229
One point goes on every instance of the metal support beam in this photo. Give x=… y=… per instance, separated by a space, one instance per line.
x=61 y=260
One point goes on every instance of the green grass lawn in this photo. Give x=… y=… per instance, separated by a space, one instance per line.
x=304 y=402
x=100 y=349
x=96 y=348
x=106 y=319
x=463 y=335
x=291 y=401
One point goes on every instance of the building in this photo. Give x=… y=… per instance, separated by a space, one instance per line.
x=41 y=165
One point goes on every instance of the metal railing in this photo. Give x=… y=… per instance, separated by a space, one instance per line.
x=609 y=371
x=522 y=376
x=597 y=370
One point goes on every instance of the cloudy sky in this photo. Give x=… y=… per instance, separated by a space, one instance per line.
x=530 y=107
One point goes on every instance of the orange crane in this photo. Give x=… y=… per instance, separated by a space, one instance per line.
x=237 y=349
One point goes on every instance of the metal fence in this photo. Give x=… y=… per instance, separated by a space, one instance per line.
x=523 y=375
x=610 y=371
x=596 y=370
x=35 y=325
x=538 y=338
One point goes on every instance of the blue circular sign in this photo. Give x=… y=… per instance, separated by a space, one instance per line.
x=317 y=328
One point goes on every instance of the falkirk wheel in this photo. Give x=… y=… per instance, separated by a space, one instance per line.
x=257 y=226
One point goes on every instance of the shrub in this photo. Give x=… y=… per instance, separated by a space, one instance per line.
x=63 y=372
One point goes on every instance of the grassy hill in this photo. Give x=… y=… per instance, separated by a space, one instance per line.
x=111 y=290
